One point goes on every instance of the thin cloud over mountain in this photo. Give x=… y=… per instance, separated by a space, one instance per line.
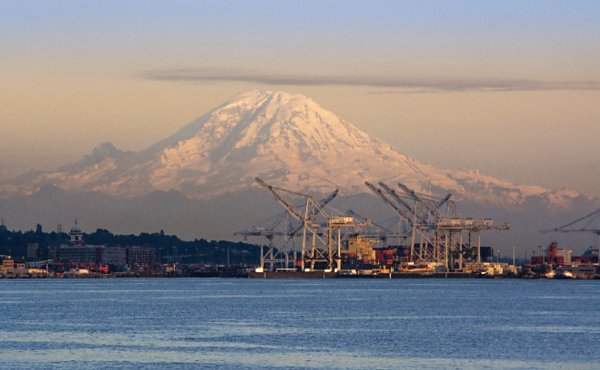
x=393 y=82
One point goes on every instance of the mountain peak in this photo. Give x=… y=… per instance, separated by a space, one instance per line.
x=258 y=97
x=262 y=132
x=287 y=139
x=278 y=106
x=239 y=111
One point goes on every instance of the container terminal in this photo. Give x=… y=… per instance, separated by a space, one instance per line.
x=310 y=239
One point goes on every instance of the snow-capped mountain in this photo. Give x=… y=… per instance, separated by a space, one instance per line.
x=290 y=141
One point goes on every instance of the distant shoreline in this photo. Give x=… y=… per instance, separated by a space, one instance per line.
x=290 y=276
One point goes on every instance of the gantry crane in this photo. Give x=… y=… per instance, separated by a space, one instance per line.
x=414 y=216
x=436 y=229
x=311 y=223
x=567 y=228
x=581 y=225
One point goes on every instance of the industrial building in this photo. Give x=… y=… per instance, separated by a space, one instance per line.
x=120 y=257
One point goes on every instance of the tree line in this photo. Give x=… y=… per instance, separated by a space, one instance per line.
x=169 y=248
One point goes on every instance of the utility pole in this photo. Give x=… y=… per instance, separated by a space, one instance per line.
x=514 y=264
x=478 y=247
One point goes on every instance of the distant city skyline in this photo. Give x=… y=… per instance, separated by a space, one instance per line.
x=510 y=88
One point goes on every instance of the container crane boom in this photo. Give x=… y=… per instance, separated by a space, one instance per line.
x=329 y=198
x=280 y=200
x=564 y=228
x=395 y=195
x=443 y=201
x=386 y=200
x=425 y=203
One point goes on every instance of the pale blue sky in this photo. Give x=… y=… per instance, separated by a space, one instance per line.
x=368 y=32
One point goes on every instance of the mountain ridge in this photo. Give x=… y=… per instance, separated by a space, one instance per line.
x=290 y=141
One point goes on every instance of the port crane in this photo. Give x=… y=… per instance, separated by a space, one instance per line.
x=571 y=228
x=426 y=214
x=581 y=225
x=325 y=201
x=312 y=223
x=402 y=208
x=413 y=212
x=283 y=227
x=437 y=229
x=272 y=255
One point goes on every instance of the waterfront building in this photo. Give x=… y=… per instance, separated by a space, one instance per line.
x=8 y=263
x=10 y=268
x=76 y=251
x=141 y=256
x=32 y=250
x=76 y=237
x=115 y=256
x=81 y=254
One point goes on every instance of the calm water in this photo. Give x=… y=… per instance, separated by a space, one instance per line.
x=231 y=323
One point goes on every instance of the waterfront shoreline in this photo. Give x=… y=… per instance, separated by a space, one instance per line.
x=295 y=276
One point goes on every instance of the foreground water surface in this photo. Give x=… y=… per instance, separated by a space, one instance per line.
x=245 y=323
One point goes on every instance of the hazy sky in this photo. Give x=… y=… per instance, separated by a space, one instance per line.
x=508 y=87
